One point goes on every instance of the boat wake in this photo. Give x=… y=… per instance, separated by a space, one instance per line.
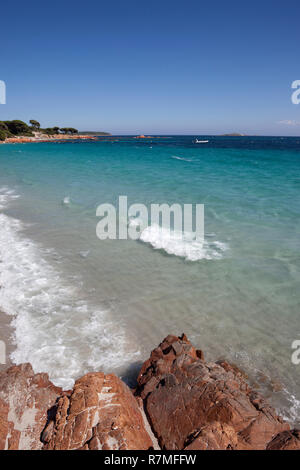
x=181 y=158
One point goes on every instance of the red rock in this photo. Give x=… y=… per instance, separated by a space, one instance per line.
x=25 y=399
x=190 y=404
x=197 y=405
x=101 y=413
x=287 y=440
x=214 y=436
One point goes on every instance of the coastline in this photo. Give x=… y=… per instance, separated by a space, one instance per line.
x=48 y=138
x=83 y=258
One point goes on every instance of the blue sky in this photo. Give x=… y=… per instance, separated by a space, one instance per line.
x=190 y=67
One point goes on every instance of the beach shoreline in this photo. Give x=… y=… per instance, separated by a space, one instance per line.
x=48 y=138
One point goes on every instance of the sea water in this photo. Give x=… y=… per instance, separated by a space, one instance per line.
x=79 y=304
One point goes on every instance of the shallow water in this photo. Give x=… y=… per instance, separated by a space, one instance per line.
x=80 y=304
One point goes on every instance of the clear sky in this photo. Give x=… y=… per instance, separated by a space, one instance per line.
x=190 y=67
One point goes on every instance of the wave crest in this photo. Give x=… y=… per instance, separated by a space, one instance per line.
x=182 y=245
x=55 y=329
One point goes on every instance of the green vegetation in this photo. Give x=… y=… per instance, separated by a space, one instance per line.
x=4 y=131
x=35 y=124
x=17 y=127
x=20 y=128
x=50 y=130
x=57 y=130
x=69 y=130
x=3 y=126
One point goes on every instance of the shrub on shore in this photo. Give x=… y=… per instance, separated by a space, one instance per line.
x=2 y=135
x=69 y=130
x=50 y=130
x=4 y=131
x=35 y=124
x=17 y=127
x=57 y=130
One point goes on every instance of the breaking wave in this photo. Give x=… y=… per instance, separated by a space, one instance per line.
x=182 y=245
x=55 y=329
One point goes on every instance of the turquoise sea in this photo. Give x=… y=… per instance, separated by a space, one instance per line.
x=79 y=304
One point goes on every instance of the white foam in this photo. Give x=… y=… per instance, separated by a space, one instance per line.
x=292 y=413
x=84 y=254
x=181 y=158
x=54 y=329
x=6 y=195
x=295 y=407
x=178 y=244
x=66 y=200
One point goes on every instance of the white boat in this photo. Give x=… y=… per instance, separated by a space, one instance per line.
x=201 y=141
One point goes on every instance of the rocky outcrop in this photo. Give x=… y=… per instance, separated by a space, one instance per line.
x=287 y=440
x=192 y=404
x=39 y=137
x=101 y=413
x=26 y=400
x=181 y=402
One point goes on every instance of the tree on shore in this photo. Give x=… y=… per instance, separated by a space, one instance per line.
x=73 y=131
x=69 y=130
x=20 y=128
x=17 y=127
x=35 y=124
x=51 y=130
x=4 y=131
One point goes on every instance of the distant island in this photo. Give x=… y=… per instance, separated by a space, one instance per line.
x=94 y=133
x=17 y=131
x=233 y=134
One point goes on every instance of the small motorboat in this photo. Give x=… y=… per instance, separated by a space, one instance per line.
x=201 y=141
